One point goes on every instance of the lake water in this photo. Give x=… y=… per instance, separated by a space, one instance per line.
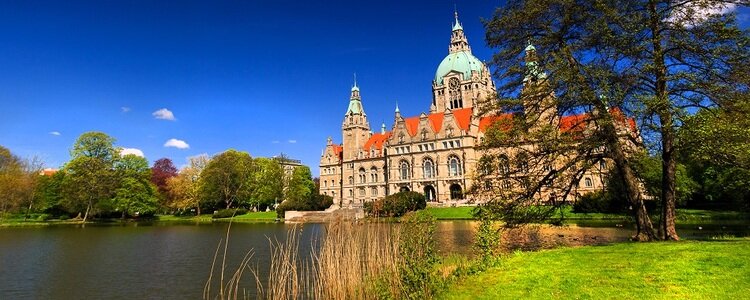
x=173 y=261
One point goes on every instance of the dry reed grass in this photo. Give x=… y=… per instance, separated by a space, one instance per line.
x=351 y=261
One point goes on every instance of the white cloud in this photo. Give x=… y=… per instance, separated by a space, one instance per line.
x=274 y=142
x=694 y=13
x=125 y=109
x=54 y=133
x=292 y=141
x=134 y=151
x=179 y=144
x=164 y=114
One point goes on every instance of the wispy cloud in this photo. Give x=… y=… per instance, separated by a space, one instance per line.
x=164 y=114
x=275 y=142
x=179 y=144
x=55 y=133
x=292 y=141
x=693 y=14
x=125 y=109
x=134 y=151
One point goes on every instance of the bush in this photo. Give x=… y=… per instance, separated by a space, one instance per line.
x=598 y=202
x=417 y=247
x=228 y=213
x=396 y=205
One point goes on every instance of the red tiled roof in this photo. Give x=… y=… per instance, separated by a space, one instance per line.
x=573 y=122
x=338 y=150
x=463 y=118
x=411 y=125
x=436 y=120
x=486 y=122
x=377 y=140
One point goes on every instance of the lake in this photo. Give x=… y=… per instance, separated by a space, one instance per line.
x=173 y=261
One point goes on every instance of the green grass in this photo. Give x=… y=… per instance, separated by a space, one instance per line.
x=683 y=215
x=451 y=213
x=666 y=270
x=251 y=217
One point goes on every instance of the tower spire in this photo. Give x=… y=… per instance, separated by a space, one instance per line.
x=458 y=39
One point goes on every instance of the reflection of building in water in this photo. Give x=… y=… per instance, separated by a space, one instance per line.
x=433 y=153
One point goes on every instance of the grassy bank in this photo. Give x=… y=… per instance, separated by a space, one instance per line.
x=35 y=220
x=674 y=270
x=683 y=215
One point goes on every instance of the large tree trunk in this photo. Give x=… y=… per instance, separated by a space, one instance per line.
x=86 y=215
x=663 y=110
x=644 y=228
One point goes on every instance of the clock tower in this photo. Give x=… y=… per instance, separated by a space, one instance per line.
x=461 y=80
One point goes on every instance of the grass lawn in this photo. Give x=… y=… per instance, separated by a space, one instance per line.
x=666 y=270
x=250 y=217
x=683 y=215
x=451 y=213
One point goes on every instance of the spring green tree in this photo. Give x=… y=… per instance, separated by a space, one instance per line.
x=226 y=180
x=90 y=178
x=268 y=182
x=135 y=194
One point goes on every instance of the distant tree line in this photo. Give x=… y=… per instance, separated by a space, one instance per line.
x=100 y=182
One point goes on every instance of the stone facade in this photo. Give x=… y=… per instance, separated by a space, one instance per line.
x=436 y=153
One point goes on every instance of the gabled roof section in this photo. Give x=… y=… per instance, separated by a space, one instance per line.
x=573 y=122
x=436 y=120
x=412 y=124
x=338 y=151
x=463 y=118
x=377 y=141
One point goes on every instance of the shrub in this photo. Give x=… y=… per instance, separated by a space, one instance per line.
x=417 y=248
x=397 y=205
x=598 y=202
x=228 y=213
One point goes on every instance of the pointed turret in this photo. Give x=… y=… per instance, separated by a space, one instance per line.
x=459 y=42
x=533 y=71
x=355 y=128
x=382 y=128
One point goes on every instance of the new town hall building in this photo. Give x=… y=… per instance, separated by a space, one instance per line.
x=432 y=153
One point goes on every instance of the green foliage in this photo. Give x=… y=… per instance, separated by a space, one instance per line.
x=301 y=185
x=135 y=194
x=598 y=202
x=417 y=247
x=225 y=182
x=94 y=144
x=396 y=205
x=487 y=238
x=228 y=213
x=267 y=182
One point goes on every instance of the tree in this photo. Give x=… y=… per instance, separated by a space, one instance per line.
x=90 y=177
x=226 y=178
x=135 y=194
x=301 y=185
x=184 y=189
x=18 y=180
x=268 y=182
x=162 y=170
x=657 y=58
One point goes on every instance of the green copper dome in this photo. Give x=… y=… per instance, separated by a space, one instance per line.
x=462 y=62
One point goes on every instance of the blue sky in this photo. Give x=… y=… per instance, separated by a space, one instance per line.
x=262 y=77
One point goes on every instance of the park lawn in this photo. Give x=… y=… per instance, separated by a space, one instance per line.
x=683 y=215
x=265 y=216
x=659 y=270
x=451 y=213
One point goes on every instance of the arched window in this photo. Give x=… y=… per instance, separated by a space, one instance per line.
x=325 y=183
x=362 y=175
x=351 y=180
x=454 y=166
x=404 y=170
x=428 y=168
x=504 y=165
x=587 y=182
x=522 y=163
